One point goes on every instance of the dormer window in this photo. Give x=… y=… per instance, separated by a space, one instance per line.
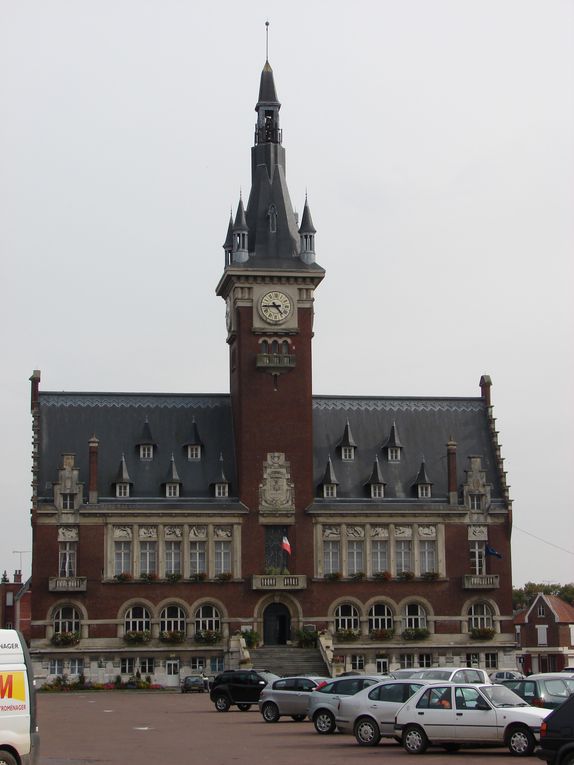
x=221 y=490
x=146 y=452
x=194 y=452
x=394 y=454
x=377 y=491
x=330 y=490
x=122 y=490
x=347 y=453
x=68 y=501
x=475 y=501
x=172 y=490
x=424 y=490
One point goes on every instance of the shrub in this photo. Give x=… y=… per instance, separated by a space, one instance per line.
x=151 y=577
x=334 y=576
x=207 y=636
x=199 y=577
x=405 y=576
x=225 y=576
x=358 y=577
x=252 y=638
x=306 y=638
x=125 y=576
x=430 y=576
x=382 y=576
x=173 y=578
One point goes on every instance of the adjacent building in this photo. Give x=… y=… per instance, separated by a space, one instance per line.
x=545 y=635
x=167 y=525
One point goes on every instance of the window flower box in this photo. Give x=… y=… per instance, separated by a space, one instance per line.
x=172 y=578
x=383 y=634
x=357 y=577
x=124 y=576
x=207 y=637
x=429 y=576
x=225 y=576
x=346 y=636
x=172 y=636
x=137 y=637
x=415 y=633
x=61 y=639
x=382 y=576
x=149 y=577
x=482 y=633
x=199 y=577
x=405 y=576
x=334 y=576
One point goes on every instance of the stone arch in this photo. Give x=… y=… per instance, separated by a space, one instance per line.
x=426 y=604
x=474 y=600
x=275 y=615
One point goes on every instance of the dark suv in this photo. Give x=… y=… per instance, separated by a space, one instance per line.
x=557 y=735
x=239 y=686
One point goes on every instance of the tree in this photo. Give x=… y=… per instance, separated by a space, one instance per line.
x=522 y=597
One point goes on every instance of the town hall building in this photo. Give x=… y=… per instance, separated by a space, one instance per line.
x=168 y=529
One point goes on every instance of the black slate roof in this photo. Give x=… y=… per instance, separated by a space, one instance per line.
x=68 y=421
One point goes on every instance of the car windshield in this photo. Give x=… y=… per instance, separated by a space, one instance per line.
x=433 y=674
x=501 y=696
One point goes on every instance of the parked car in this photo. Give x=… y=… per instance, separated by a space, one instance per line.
x=453 y=675
x=544 y=690
x=324 y=701
x=370 y=713
x=240 y=686
x=404 y=674
x=193 y=684
x=288 y=696
x=454 y=714
x=557 y=735
x=505 y=674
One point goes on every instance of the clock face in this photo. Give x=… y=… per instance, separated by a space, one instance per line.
x=275 y=307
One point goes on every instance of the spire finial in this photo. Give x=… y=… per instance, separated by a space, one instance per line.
x=267 y=40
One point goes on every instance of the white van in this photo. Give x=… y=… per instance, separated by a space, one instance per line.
x=18 y=730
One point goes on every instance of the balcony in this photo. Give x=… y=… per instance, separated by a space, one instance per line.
x=279 y=582
x=68 y=583
x=481 y=581
x=275 y=363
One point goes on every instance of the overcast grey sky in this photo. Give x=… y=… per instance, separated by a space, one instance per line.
x=436 y=141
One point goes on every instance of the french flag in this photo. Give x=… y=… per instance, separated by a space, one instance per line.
x=286 y=546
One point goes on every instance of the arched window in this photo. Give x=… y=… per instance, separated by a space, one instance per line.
x=264 y=346
x=274 y=346
x=66 y=619
x=346 y=617
x=137 y=619
x=285 y=347
x=479 y=615
x=207 y=618
x=415 y=616
x=380 y=617
x=172 y=619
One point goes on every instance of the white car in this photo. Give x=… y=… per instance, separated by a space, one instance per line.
x=454 y=714
x=453 y=675
x=324 y=701
x=370 y=714
x=505 y=674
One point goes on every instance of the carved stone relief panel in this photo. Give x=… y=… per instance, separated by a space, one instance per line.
x=404 y=532
x=122 y=532
x=148 y=532
x=276 y=491
x=222 y=532
x=331 y=532
x=198 y=532
x=173 y=532
x=68 y=534
x=479 y=533
x=380 y=532
x=427 y=532
x=355 y=532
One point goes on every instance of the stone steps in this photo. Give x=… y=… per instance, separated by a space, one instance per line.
x=289 y=660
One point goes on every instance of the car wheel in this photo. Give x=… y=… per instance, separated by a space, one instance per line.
x=270 y=712
x=520 y=741
x=324 y=721
x=6 y=758
x=222 y=703
x=568 y=759
x=298 y=718
x=415 y=740
x=244 y=707
x=367 y=732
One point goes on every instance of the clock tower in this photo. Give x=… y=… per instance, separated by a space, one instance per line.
x=268 y=284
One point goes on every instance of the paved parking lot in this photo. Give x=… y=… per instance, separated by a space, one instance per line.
x=121 y=727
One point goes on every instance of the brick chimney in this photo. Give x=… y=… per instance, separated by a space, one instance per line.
x=18 y=576
x=93 y=471
x=485 y=385
x=451 y=472
x=35 y=380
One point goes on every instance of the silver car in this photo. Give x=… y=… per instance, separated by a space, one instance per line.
x=288 y=696
x=370 y=714
x=324 y=701
x=453 y=675
x=451 y=715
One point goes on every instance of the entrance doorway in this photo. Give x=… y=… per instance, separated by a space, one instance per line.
x=172 y=672
x=276 y=624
